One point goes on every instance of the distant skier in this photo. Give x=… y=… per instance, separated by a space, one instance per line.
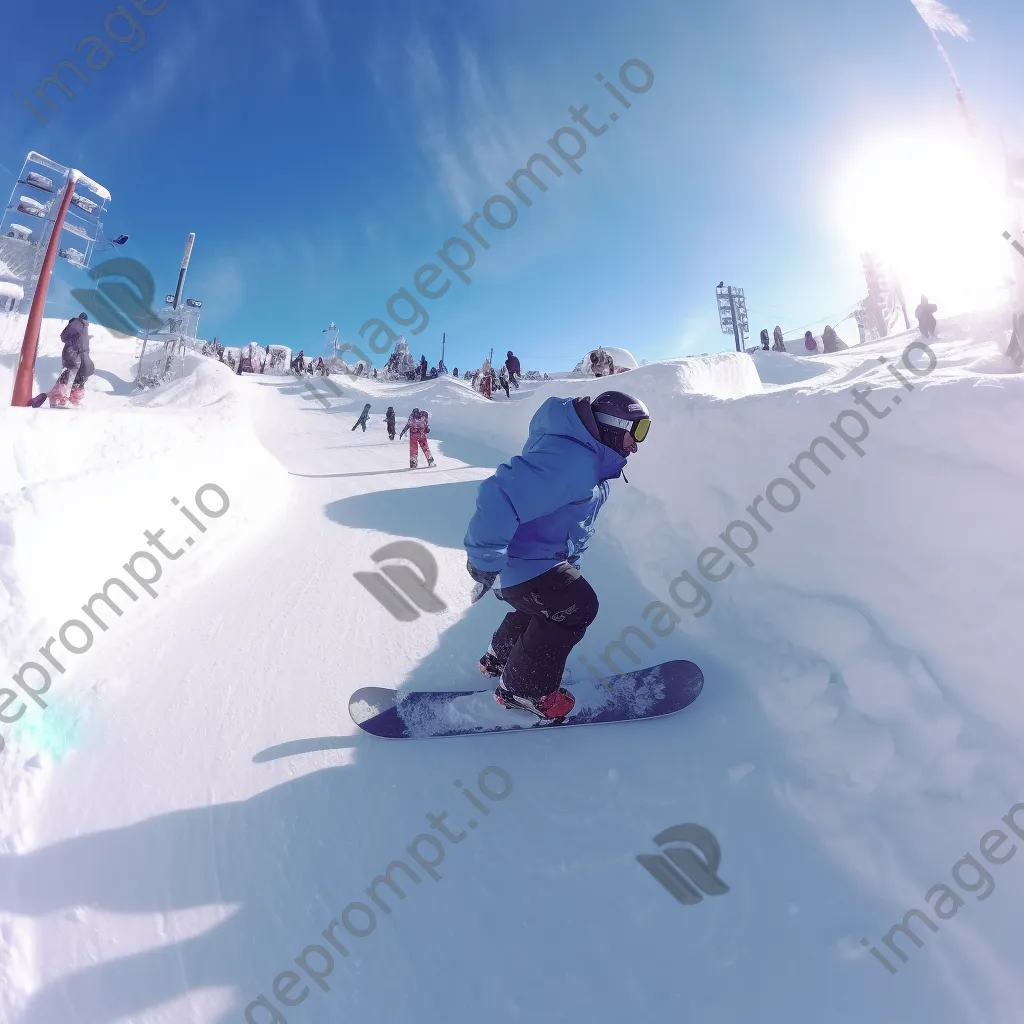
x=809 y=343
x=778 y=345
x=514 y=369
x=534 y=518
x=75 y=359
x=418 y=426
x=764 y=339
x=389 y=419
x=361 y=422
x=925 y=314
x=423 y=367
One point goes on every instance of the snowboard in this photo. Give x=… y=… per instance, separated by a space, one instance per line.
x=629 y=697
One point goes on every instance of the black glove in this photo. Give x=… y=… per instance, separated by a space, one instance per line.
x=484 y=581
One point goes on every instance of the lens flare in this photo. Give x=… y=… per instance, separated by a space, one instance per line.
x=931 y=206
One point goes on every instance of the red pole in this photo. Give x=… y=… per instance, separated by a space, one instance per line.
x=23 y=381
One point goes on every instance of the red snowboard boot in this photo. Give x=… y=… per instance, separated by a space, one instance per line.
x=554 y=706
x=58 y=395
x=77 y=392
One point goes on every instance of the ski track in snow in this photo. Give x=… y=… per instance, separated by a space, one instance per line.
x=195 y=805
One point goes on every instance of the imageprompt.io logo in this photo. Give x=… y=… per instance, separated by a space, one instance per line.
x=680 y=870
x=418 y=590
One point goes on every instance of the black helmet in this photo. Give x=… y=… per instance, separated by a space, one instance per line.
x=618 y=414
x=83 y=317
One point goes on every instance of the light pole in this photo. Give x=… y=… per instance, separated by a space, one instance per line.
x=54 y=217
x=732 y=313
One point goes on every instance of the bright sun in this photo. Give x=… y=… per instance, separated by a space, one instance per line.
x=934 y=209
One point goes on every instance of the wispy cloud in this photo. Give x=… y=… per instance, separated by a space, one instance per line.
x=939 y=18
x=465 y=121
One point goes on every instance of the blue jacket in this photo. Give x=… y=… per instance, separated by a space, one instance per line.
x=540 y=508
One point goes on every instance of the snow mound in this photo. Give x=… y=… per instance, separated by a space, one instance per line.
x=620 y=356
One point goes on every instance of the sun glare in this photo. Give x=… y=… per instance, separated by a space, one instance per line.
x=934 y=209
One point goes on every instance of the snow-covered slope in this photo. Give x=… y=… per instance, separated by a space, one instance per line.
x=193 y=827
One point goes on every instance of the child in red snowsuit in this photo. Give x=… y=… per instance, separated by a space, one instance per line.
x=418 y=427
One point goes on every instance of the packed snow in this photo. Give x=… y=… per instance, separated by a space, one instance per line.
x=192 y=828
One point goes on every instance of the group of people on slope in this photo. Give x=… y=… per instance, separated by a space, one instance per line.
x=486 y=381
x=417 y=425
x=831 y=342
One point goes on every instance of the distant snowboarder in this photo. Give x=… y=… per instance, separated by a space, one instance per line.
x=389 y=419
x=925 y=314
x=514 y=369
x=534 y=518
x=809 y=343
x=423 y=367
x=764 y=339
x=778 y=345
x=418 y=426
x=361 y=422
x=75 y=359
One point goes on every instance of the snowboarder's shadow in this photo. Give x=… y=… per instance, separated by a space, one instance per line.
x=436 y=514
x=276 y=868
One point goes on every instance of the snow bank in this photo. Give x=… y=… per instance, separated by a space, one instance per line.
x=79 y=488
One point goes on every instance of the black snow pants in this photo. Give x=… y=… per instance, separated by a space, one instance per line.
x=552 y=613
x=77 y=363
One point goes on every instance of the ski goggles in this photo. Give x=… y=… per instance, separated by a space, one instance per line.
x=637 y=429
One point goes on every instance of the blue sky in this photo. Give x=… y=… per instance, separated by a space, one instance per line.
x=323 y=152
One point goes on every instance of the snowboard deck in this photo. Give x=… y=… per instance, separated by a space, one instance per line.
x=629 y=697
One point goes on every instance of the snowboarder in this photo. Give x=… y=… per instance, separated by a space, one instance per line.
x=389 y=419
x=829 y=339
x=455 y=373
x=423 y=367
x=485 y=379
x=925 y=314
x=418 y=426
x=75 y=359
x=809 y=343
x=503 y=380
x=361 y=422
x=779 y=345
x=514 y=369
x=299 y=362
x=533 y=521
x=764 y=339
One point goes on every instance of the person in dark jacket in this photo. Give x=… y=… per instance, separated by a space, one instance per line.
x=829 y=339
x=514 y=369
x=779 y=345
x=361 y=422
x=534 y=518
x=74 y=359
x=764 y=339
x=423 y=367
x=925 y=314
x=389 y=419
x=809 y=343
